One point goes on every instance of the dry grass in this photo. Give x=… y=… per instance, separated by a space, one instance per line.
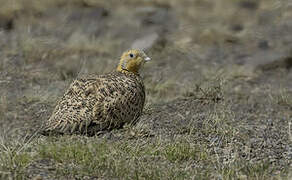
x=207 y=116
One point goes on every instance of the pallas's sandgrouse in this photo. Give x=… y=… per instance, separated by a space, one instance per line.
x=95 y=103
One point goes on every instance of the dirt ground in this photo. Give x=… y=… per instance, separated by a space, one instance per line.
x=219 y=88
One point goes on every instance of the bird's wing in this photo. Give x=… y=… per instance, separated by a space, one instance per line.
x=74 y=111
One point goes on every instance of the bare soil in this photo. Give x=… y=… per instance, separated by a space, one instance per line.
x=219 y=88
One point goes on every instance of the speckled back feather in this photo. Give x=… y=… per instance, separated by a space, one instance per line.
x=95 y=103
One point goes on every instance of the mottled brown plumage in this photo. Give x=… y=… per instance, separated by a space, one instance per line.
x=100 y=102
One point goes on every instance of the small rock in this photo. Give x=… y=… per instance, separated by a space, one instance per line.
x=268 y=61
x=264 y=45
x=283 y=63
x=6 y=23
x=248 y=4
x=236 y=27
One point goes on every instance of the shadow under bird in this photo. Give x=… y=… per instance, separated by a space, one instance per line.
x=94 y=103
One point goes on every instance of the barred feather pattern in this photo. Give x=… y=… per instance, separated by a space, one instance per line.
x=98 y=102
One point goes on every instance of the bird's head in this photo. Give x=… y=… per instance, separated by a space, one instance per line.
x=132 y=61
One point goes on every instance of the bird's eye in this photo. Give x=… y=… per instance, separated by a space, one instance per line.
x=131 y=55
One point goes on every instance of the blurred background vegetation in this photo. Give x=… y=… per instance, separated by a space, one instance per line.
x=219 y=101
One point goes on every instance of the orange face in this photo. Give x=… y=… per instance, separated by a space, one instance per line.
x=132 y=61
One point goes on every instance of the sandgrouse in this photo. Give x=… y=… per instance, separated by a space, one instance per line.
x=101 y=102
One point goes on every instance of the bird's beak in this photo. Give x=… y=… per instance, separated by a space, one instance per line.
x=147 y=59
